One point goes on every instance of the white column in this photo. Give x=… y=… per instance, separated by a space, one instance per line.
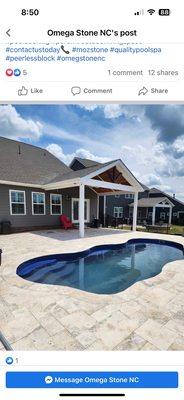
x=97 y=211
x=81 y=210
x=170 y=215
x=135 y=211
x=104 y=210
x=153 y=216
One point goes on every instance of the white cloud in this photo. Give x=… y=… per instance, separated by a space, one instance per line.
x=151 y=180
x=80 y=138
x=57 y=151
x=89 y=107
x=112 y=111
x=178 y=146
x=87 y=154
x=165 y=188
x=13 y=126
x=116 y=110
x=180 y=195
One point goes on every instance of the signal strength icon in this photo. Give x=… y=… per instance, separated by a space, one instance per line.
x=151 y=11
x=140 y=12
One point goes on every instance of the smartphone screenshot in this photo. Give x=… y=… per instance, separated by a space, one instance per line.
x=91 y=200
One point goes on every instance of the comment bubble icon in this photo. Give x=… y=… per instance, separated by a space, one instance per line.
x=75 y=90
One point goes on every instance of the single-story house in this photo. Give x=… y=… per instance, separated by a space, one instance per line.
x=36 y=187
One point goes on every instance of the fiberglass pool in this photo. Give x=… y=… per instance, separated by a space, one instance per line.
x=105 y=269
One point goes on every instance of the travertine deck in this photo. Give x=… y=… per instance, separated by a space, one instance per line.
x=147 y=316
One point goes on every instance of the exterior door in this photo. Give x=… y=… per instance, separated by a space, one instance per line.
x=75 y=210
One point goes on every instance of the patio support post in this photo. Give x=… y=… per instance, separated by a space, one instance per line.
x=104 y=211
x=170 y=215
x=97 y=211
x=153 y=216
x=135 y=211
x=81 y=210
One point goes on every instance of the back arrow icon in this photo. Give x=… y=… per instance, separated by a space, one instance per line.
x=8 y=32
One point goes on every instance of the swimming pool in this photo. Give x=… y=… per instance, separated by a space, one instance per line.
x=105 y=269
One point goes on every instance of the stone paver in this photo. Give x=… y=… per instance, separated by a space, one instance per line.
x=156 y=334
x=147 y=316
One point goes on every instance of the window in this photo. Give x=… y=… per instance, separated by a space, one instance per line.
x=38 y=203
x=129 y=196
x=55 y=204
x=150 y=214
x=162 y=215
x=17 y=202
x=118 y=212
x=130 y=213
x=117 y=196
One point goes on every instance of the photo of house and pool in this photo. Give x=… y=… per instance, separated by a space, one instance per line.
x=92 y=227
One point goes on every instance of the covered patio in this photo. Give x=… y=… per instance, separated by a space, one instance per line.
x=150 y=205
x=110 y=179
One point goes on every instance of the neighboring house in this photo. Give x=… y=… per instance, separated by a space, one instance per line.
x=178 y=206
x=153 y=206
x=36 y=187
x=153 y=210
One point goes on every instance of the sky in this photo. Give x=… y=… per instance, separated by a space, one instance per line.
x=148 y=138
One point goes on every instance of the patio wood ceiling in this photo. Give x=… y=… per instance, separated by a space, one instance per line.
x=114 y=176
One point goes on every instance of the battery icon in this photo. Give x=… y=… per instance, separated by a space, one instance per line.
x=164 y=11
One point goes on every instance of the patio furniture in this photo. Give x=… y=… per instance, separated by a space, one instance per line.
x=65 y=222
x=5 y=227
x=95 y=223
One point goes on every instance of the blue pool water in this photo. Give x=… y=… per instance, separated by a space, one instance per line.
x=103 y=269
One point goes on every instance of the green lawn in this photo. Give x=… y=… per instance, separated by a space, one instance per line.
x=175 y=229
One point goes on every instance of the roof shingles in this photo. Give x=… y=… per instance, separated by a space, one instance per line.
x=24 y=163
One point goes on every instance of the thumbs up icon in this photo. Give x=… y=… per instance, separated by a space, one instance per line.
x=23 y=91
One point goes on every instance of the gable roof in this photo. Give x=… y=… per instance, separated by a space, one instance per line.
x=86 y=162
x=24 y=163
x=89 y=175
x=155 y=190
x=79 y=173
x=151 y=201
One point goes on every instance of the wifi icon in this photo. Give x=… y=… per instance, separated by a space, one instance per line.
x=151 y=11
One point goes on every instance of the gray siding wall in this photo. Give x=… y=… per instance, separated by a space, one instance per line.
x=29 y=220
x=121 y=201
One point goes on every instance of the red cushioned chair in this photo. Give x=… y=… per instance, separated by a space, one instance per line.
x=65 y=222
